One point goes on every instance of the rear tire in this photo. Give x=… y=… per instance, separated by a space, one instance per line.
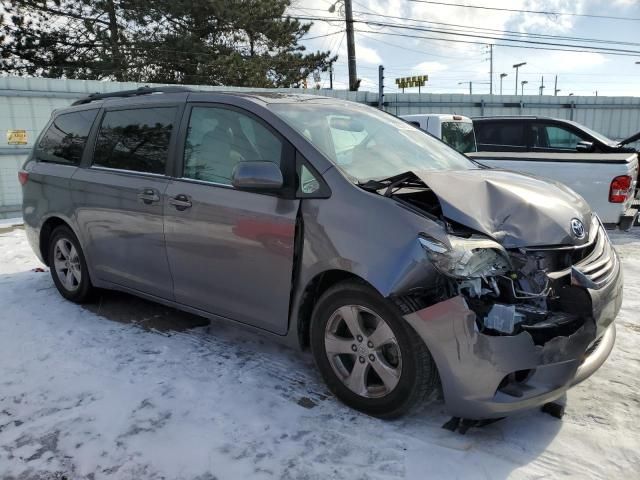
x=68 y=266
x=369 y=357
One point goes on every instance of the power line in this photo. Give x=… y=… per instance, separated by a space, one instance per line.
x=509 y=32
x=322 y=36
x=498 y=44
x=542 y=45
x=517 y=10
x=403 y=47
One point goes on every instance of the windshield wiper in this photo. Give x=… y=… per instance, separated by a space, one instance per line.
x=392 y=184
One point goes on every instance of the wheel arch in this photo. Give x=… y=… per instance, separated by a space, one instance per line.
x=49 y=225
x=314 y=289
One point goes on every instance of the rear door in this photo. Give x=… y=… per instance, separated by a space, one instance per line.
x=231 y=251
x=501 y=136
x=120 y=198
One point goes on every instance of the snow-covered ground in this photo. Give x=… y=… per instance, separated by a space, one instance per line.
x=130 y=390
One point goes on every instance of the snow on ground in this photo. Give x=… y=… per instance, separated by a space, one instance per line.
x=130 y=390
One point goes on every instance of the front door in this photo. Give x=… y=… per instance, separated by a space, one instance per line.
x=230 y=251
x=119 y=199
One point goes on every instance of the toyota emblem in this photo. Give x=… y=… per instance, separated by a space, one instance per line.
x=577 y=228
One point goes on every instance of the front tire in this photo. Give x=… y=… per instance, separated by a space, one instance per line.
x=68 y=266
x=368 y=355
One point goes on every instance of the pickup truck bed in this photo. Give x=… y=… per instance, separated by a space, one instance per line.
x=588 y=174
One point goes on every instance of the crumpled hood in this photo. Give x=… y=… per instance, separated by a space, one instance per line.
x=515 y=209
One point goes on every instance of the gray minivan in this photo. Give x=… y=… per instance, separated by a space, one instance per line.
x=405 y=267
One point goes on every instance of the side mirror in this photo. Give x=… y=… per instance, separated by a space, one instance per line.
x=584 y=147
x=259 y=176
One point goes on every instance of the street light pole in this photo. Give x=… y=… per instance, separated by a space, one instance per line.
x=523 y=83
x=502 y=75
x=470 y=86
x=517 y=66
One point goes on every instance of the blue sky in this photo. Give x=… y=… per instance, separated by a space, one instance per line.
x=448 y=64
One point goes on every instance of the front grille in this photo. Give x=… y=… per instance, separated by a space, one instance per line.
x=600 y=264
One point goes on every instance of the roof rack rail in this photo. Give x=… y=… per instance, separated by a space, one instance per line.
x=131 y=93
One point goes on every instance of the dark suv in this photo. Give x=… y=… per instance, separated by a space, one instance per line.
x=401 y=263
x=542 y=134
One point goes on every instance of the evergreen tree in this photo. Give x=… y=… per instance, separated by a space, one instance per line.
x=215 y=42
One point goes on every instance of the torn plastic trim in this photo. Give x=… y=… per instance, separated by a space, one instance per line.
x=472 y=365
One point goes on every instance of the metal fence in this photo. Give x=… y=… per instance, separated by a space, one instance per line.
x=27 y=103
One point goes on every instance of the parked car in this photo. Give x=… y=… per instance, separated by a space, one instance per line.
x=544 y=135
x=403 y=265
x=454 y=130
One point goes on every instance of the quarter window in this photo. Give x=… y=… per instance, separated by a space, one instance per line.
x=136 y=140
x=64 y=140
x=218 y=139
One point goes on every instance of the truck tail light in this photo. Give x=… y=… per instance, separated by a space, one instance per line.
x=620 y=189
x=23 y=177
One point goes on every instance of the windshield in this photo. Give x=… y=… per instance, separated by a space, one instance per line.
x=368 y=144
x=459 y=135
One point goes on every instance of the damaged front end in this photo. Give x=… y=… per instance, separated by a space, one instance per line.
x=514 y=328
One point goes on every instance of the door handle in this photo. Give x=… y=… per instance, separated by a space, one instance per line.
x=149 y=195
x=181 y=202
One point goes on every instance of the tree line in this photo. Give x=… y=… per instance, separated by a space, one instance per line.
x=208 y=42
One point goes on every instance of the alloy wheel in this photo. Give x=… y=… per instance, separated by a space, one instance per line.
x=363 y=351
x=66 y=263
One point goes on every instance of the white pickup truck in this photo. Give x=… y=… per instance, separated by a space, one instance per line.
x=607 y=181
x=454 y=130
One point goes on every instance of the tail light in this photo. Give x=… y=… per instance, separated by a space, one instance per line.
x=620 y=189
x=23 y=177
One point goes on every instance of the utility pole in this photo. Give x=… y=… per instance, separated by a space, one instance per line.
x=542 y=85
x=502 y=75
x=380 y=86
x=351 y=47
x=517 y=66
x=555 y=87
x=490 y=69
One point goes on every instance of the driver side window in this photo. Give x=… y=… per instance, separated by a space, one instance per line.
x=218 y=139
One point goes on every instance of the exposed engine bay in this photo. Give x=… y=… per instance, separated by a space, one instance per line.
x=533 y=290
x=514 y=291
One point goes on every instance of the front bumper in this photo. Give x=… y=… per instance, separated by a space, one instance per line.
x=473 y=366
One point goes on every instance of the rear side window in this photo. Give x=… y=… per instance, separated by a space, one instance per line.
x=136 y=140
x=459 y=135
x=501 y=133
x=64 y=140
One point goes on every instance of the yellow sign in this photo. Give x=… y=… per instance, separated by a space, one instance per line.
x=407 y=82
x=17 y=137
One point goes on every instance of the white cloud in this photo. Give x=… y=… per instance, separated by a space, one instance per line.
x=429 y=67
x=364 y=54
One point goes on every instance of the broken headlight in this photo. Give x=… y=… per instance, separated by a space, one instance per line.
x=473 y=257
